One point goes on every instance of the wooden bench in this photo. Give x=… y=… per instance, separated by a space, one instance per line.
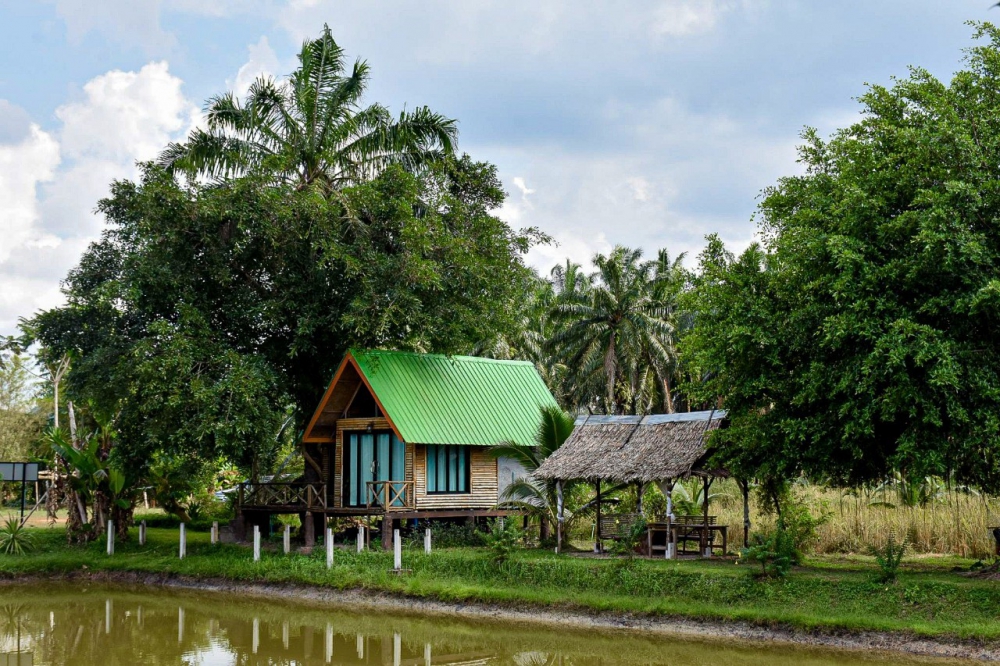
x=615 y=525
x=684 y=530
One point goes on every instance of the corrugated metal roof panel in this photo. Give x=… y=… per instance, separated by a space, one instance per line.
x=435 y=399
x=651 y=419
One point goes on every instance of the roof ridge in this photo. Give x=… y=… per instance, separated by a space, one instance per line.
x=461 y=357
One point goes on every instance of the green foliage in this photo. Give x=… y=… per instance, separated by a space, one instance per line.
x=449 y=535
x=205 y=312
x=14 y=539
x=615 y=331
x=311 y=130
x=889 y=557
x=503 y=539
x=858 y=339
x=21 y=416
x=631 y=539
x=799 y=526
x=774 y=551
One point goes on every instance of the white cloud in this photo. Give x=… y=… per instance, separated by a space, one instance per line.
x=23 y=165
x=263 y=61
x=50 y=182
x=125 y=116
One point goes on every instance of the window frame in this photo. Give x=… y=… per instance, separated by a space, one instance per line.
x=457 y=478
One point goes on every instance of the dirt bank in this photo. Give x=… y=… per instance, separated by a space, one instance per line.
x=554 y=617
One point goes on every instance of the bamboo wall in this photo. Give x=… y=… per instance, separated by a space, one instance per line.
x=483 y=472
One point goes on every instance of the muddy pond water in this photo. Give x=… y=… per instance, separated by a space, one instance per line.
x=96 y=625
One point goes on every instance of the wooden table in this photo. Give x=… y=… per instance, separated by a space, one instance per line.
x=683 y=530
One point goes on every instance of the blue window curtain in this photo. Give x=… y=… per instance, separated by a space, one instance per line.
x=367 y=461
x=352 y=470
x=447 y=469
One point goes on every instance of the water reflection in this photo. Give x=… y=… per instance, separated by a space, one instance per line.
x=87 y=626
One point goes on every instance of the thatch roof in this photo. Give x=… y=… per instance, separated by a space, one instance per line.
x=634 y=449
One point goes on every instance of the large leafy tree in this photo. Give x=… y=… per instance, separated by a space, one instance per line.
x=207 y=312
x=311 y=129
x=862 y=336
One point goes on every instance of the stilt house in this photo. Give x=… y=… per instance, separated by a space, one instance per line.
x=403 y=435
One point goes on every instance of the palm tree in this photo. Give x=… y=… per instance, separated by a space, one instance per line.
x=311 y=129
x=669 y=281
x=536 y=497
x=611 y=328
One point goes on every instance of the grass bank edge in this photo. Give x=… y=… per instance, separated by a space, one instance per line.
x=929 y=604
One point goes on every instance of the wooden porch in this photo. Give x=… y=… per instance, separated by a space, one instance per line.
x=395 y=499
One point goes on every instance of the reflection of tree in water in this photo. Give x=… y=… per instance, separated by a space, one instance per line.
x=147 y=629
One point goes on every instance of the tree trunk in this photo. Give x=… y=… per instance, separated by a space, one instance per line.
x=611 y=373
x=668 y=397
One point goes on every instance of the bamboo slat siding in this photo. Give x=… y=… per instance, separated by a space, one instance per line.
x=483 y=474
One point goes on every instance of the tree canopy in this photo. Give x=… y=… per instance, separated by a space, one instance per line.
x=860 y=337
x=207 y=313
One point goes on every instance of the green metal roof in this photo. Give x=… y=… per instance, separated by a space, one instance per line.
x=435 y=399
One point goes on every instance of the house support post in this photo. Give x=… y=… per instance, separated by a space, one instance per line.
x=387 y=523
x=310 y=530
x=559 y=515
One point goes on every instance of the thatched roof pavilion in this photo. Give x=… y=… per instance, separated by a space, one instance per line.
x=659 y=448
x=635 y=449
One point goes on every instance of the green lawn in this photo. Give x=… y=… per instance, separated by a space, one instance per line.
x=829 y=594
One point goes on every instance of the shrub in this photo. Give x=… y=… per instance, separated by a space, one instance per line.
x=799 y=527
x=631 y=538
x=774 y=551
x=14 y=540
x=503 y=540
x=449 y=535
x=889 y=557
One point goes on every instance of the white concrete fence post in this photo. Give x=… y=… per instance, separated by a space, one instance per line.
x=329 y=548
x=111 y=537
x=215 y=532
x=256 y=543
x=427 y=541
x=142 y=533
x=397 y=551
x=361 y=538
x=287 y=541
x=183 y=548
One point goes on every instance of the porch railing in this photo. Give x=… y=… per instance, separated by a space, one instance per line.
x=307 y=496
x=390 y=495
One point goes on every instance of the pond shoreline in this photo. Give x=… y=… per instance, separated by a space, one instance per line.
x=553 y=617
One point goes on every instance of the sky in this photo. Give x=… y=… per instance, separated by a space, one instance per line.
x=646 y=123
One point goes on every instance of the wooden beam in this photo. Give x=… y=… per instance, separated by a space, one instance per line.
x=307 y=435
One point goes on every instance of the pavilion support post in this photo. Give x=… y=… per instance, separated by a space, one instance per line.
x=559 y=516
x=746 y=511
x=598 y=546
x=668 y=490
x=706 y=545
x=640 y=488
